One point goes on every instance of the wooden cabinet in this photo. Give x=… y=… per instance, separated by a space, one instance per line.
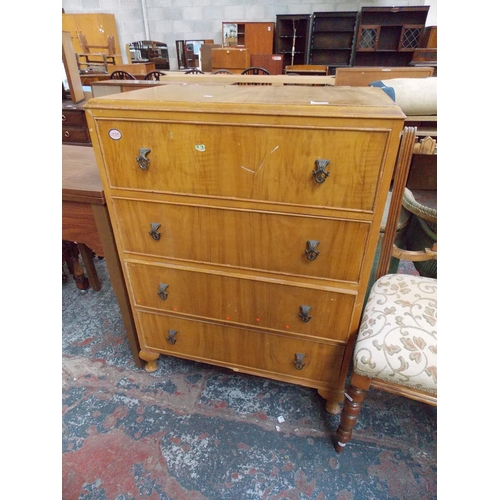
x=332 y=39
x=233 y=59
x=292 y=38
x=388 y=36
x=258 y=38
x=246 y=219
x=74 y=124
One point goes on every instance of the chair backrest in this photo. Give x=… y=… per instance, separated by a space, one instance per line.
x=255 y=70
x=222 y=72
x=194 y=71
x=153 y=75
x=121 y=75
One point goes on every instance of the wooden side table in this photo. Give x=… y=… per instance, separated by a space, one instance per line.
x=85 y=220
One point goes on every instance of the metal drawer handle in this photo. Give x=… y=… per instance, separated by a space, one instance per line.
x=171 y=337
x=162 y=291
x=299 y=361
x=63 y=118
x=311 y=252
x=154 y=230
x=141 y=159
x=304 y=313
x=66 y=134
x=320 y=174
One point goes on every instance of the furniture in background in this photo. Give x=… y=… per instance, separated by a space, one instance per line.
x=257 y=37
x=121 y=75
x=96 y=58
x=85 y=220
x=306 y=69
x=234 y=59
x=396 y=347
x=388 y=36
x=188 y=53
x=107 y=87
x=154 y=75
x=286 y=304
x=206 y=56
x=150 y=51
x=194 y=71
x=426 y=52
x=177 y=77
x=253 y=70
x=75 y=129
x=72 y=85
x=273 y=63
x=332 y=39
x=96 y=28
x=291 y=38
x=364 y=75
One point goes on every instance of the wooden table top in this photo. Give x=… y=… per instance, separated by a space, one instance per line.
x=80 y=175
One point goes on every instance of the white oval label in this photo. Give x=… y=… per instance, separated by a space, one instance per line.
x=199 y=147
x=115 y=134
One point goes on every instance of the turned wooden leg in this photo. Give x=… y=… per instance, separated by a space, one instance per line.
x=352 y=406
x=151 y=359
x=333 y=400
x=71 y=255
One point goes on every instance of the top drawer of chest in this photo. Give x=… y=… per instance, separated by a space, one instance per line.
x=257 y=162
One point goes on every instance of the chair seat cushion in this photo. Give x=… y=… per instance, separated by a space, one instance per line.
x=397 y=339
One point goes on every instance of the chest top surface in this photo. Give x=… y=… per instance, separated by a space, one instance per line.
x=304 y=100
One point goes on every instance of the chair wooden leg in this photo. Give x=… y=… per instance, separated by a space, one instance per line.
x=352 y=406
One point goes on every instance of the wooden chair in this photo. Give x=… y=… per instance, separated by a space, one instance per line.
x=154 y=75
x=99 y=57
x=121 y=75
x=222 y=72
x=194 y=71
x=396 y=346
x=255 y=70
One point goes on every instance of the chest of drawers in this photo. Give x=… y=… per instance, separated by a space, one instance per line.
x=246 y=219
x=74 y=125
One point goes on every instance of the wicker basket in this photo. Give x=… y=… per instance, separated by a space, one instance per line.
x=422 y=231
x=403 y=221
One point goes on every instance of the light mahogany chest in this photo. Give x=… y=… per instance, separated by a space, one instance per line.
x=246 y=219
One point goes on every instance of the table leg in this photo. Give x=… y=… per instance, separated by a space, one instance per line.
x=88 y=262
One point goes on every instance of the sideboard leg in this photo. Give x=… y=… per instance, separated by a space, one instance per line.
x=151 y=359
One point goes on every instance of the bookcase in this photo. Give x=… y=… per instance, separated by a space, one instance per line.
x=291 y=38
x=388 y=36
x=332 y=39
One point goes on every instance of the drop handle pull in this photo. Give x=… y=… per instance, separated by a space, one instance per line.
x=142 y=160
x=162 y=291
x=299 y=360
x=154 y=233
x=171 y=337
x=320 y=173
x=304 y=313
x=311 y=252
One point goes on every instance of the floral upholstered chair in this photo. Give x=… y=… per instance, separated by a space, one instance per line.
x=396 y=345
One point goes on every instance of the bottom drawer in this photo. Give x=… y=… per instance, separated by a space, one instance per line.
x=265 y=354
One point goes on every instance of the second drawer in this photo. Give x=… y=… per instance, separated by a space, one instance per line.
x=274 y=242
